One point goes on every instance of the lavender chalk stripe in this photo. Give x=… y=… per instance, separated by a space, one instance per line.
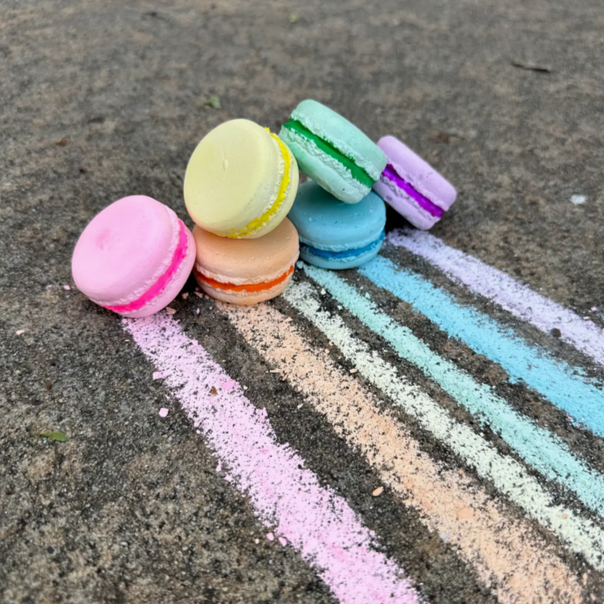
x=555 y=380
x=515 y=297
x=391 y=174
x=289 y=500
x=543 y=450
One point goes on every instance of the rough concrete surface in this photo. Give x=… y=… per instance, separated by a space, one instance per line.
x=99 y=100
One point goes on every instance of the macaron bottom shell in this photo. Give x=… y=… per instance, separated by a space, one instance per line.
x=172 y=289
x=352 y=258
x=405 y=205
x=240 y=295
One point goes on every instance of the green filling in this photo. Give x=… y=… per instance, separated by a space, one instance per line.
x=357 y=172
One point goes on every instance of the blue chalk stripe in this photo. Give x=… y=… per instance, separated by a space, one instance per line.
x=554 y=379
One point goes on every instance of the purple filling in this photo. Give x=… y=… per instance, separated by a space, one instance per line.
x=390 y=173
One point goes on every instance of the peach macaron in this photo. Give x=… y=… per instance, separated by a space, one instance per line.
x=246 y=271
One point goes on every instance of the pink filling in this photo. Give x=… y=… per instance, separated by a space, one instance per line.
x=160 y=285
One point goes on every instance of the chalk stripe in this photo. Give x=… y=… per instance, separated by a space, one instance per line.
x=580 y=534
x=515 y=297
x=510 y=558
x=312 y=518
x=543 y=450
x=555 y=380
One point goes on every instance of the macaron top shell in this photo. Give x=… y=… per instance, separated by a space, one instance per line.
x=417 y=172
x=240 y=180
x=125 y=249
x=247 y=261
x=342 y=134
x=326 y=223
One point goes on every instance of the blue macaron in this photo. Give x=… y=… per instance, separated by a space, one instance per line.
x=334 y=234
x=332 y=151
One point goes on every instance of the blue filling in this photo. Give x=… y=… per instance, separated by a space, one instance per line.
x=346 y=253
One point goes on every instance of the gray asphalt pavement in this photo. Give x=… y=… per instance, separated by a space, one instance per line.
x=99 y=100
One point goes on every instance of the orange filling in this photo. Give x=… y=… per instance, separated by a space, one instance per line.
x=251 y=287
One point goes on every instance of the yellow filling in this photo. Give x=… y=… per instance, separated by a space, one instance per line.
x=255 y=224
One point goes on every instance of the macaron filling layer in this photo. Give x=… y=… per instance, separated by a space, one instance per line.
x=180 y=253
x=245 y=287
x=328 y=148
x=258 y=222
x=330 y=255
x=391 y=174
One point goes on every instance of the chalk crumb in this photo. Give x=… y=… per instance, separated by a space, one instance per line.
x=565 y=516
x=323 y=292
x=197 y=311
x=594 y=308
x=163 y=412
x=283 y=541
x=578 y=200
x=270 y=536
x=172 y=311
x=158 y=375
x=228 y=385
x=299 y=406
x=20 y=331
x=353 y=370
x=219 y=467
x=66 y=287
x=256 y=541
x=199 y=294
x=287 y=320
x=185 y=296
x=378 y=492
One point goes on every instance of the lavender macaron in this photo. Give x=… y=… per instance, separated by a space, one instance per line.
x=413 y=187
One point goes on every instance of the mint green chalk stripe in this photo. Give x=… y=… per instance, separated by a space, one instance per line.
x=509 y=476
x=555 y=380
x=544 y=451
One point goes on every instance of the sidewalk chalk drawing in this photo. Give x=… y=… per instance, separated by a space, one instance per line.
x=509 y=557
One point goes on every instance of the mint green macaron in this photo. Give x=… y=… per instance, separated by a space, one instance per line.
x=332 y=151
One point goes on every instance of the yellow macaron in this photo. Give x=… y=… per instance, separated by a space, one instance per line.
x=241 y=181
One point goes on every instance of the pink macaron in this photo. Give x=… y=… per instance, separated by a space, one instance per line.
x=412 y=186
x=133 y=257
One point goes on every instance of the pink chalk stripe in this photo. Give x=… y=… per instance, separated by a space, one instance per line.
x=289 y=500
x=180 y=253
x=515 y=297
